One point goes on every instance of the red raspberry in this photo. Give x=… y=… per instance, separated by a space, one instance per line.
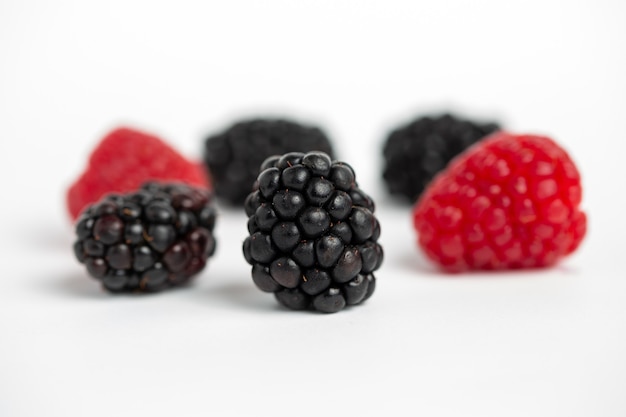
x=123 y=161
x=511 y=201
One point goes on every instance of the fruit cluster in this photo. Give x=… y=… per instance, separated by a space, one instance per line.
x=484 y=199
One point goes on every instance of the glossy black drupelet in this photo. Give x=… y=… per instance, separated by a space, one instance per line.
x=233 y=157
x=313 y=235
x=415 y=153
x=155 y=238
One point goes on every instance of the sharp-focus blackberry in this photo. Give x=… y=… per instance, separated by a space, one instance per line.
x=313 y=235
x=149 y=240
x=233 y=157
x=415 y=153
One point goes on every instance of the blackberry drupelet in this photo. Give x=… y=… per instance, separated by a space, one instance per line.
x=415 y=153
x=233 y=157
x=313 y=235
x=155 y=238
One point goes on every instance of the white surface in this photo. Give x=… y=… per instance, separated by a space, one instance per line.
x=547 y=343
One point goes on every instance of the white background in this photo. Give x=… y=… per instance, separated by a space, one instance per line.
x=540 y=343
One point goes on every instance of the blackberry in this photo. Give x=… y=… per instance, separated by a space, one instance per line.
x=415 y=153
x=313 y=235
x=155 y=238
x=233 y=157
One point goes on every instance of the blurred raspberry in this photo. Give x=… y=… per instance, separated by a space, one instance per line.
x=123 y=161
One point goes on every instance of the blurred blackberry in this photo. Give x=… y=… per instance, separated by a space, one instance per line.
x=155 y=238
x=415 y=153
x=313 y=235
x=233 y=157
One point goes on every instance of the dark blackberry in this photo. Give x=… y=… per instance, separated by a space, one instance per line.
x=415 y=153
x=313 y=235
x=155 y=238
x=233 y=157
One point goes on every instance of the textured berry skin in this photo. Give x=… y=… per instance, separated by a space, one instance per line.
x=415 y=153
x=123 y=161
x=233 y=157
x=313 y=235
x=511 y=201
x=155 y=238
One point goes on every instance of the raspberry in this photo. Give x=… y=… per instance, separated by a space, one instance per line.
x=415 y=153
x=313 y=234
x=155 y=238
x=233 y=157
x=123 y=161
x=511 y=201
